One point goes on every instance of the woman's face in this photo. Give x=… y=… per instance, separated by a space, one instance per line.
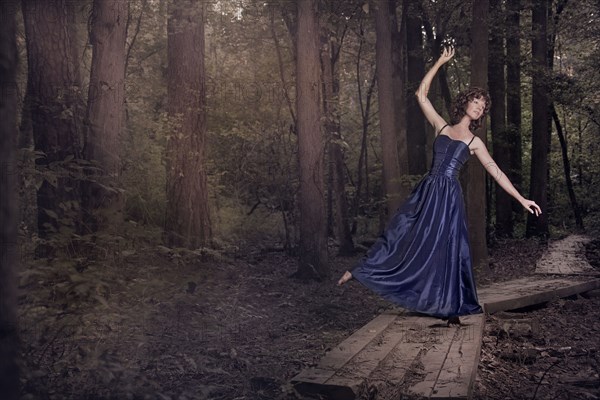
x=475 y=108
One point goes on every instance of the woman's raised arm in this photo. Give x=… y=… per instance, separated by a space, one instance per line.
x=430 y=113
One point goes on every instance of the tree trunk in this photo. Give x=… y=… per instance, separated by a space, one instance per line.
x=540 y=138
x=365 y=113
x=501 y=141
x=415 y=123
x=387 y=121
x=567 y=168
x=336 y=153
x=313 y=233
x=399 y=91
x=513 y=99
x=105 y=113
x=475 y=176
x=51 y=81
x=9 y=343
x=187 y=222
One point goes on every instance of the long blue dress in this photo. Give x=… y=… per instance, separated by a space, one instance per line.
x=422 y=261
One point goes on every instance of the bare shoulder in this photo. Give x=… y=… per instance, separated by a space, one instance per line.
x=477 y=143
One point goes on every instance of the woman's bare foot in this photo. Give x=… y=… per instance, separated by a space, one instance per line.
x=345 y=278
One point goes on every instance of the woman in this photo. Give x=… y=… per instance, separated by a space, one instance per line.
x=422 y=261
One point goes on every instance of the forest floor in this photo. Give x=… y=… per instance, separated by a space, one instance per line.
x=134 y=320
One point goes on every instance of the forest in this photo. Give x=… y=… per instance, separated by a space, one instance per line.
x=183 y=181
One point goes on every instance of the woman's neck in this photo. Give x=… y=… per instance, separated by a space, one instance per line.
x=463 y=125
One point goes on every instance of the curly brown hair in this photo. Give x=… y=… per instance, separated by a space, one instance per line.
x=462 y=100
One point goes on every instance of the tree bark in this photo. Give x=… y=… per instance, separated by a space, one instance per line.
x=105 y=112
x=415 y=124
x=187 y=222
x=540 y=138
x=501 y=141
x=513 y=99
x=387 y=121
x=52 y=81
x=475 y=176
x=9 y=343
x=313 y=233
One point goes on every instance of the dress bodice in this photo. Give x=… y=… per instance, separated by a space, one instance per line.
x=449 y=156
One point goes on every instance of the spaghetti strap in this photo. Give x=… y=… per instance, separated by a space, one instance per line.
x=440 y=131
x=473 y=138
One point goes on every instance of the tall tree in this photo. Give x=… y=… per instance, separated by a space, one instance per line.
x=475 y=176
x=52 y=84
x=365 y=103
x=9 y=369
x=398 y=29
x=105 y=114
x=313 y=230
x=187 y=222
x=330 y=51
x=567 y=167
x=560 y=131
x=501 y=141
x=540 y=138
x=513 y=98
x=415 y=69
x=394 y=192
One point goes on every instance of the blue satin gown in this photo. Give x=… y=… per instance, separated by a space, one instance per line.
x=422 y=261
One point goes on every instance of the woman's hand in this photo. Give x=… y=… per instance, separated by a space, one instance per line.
x=531 y=207
x=447 y=55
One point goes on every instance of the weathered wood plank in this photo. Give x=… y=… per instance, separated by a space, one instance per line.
x=459 y=371
x=529 y=291
x=309 y=380
x=399 y=334
x=421 y=334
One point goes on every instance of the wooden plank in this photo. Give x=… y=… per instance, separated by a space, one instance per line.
x=337 y=357
x=529 y=291
x=459 y=371
x=389 y=377
x=342 y=353
x=354 y=374
x=432 y=360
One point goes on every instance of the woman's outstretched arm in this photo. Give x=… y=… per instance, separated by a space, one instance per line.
x=492 y=168
x=430 y=113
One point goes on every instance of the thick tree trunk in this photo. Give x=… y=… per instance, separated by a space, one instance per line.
x=540 y=138
x=475 y=176
x=9 y=344
x=501 y=141
x=188 y=222
x=336 y=153
x=313 y=233
x=105 y=113
x=387 y=120
x=415 y=123
x=513 y=99
x=51 y=81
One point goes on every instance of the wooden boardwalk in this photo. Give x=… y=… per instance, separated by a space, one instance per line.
x=402 y=354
